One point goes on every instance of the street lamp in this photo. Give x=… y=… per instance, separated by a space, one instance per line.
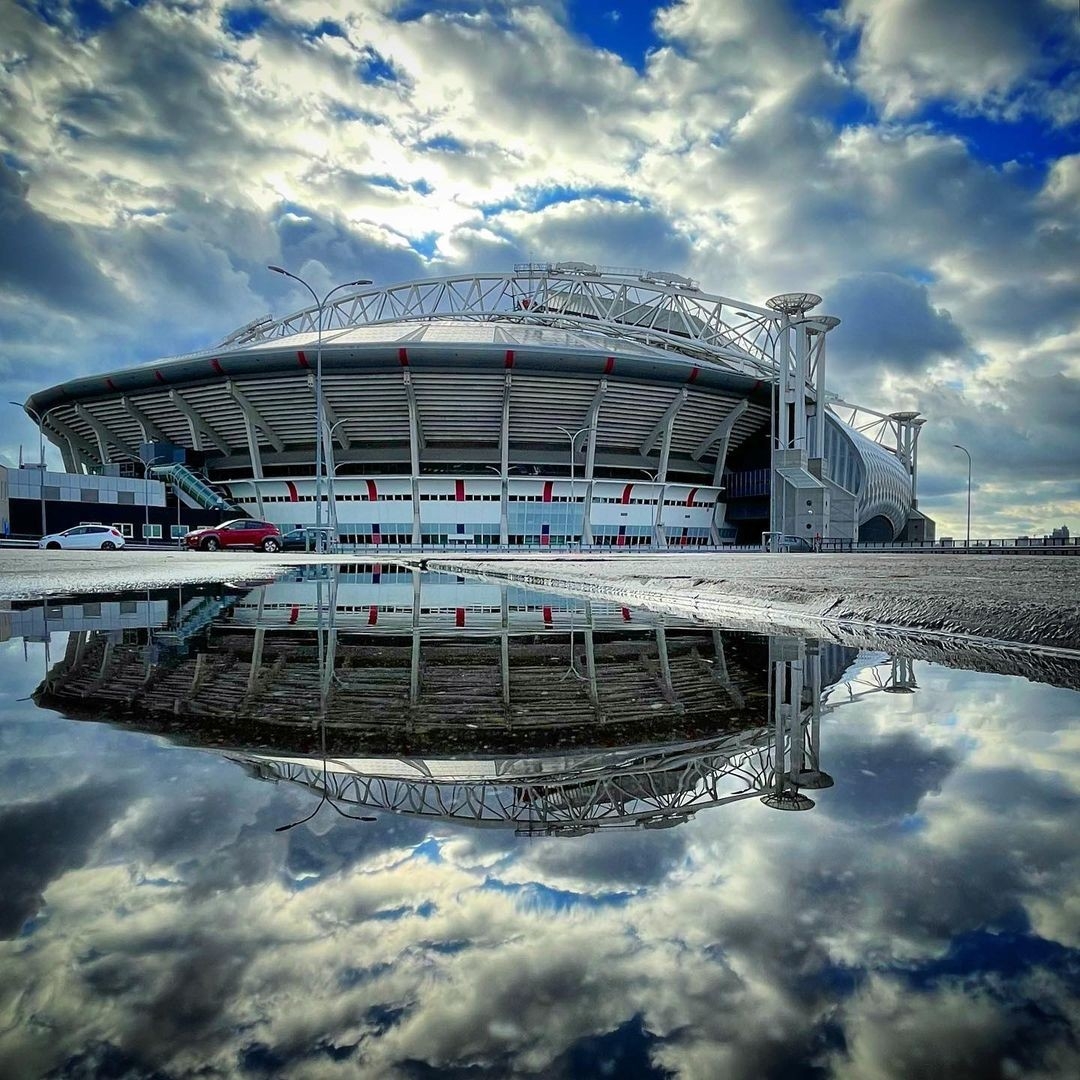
x=572 y=436
x=39 y=418
x=146 y=495
x=967 y=542
x=319 y=304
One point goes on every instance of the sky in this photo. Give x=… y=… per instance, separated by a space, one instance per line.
x=915 y=162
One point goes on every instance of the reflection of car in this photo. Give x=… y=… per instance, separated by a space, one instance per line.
x=778 y=542
x=97 y=537
x=244 y=532
x=308 y=539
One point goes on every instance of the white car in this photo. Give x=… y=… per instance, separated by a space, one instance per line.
x=83 y=537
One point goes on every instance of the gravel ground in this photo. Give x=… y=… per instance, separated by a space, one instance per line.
x=1015 y=599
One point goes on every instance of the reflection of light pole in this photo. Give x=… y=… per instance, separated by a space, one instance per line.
x=319 y=304
x=40 y=420
x=573 y=439
x=326 y=676
x=967 y=542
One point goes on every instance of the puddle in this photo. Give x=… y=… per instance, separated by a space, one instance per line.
x=594 y=840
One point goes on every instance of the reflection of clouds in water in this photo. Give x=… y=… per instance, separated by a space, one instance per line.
x=748 y=942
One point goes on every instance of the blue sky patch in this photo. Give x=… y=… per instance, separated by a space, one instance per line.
x=375 y=68
x=245 y=21
x=534 y=895
x=623 y=27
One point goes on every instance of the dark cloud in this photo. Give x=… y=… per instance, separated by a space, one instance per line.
x=886 y=780
x=41 y=840
x=47 y=261
x=890 y=323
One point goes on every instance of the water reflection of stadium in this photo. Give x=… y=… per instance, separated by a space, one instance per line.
x=435 y=696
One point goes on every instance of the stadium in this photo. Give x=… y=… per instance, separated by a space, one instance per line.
x=560 y=404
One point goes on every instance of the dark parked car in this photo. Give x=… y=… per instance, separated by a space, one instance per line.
x=242 y=533
x=778 y=542
x=306 y=539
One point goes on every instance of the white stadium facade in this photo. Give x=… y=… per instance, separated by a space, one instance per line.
x=560 y=404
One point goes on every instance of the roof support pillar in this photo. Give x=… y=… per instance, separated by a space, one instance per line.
x=150 y=431
x=251 y=425
x=504 y=465
x=104 y=436
x=78 y=449
x=416 y=444
x=664 y=423
x=201 y=431
x=333 y=422
x=592 y=420
x=720 y=434
x=253 y=417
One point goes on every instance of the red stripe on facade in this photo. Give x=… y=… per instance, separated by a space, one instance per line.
x=302 y=358
x=459 y=617
x=459 y=491
x=693 y=374
x=294 y=613
x=621 y=541
x=372 y=491
x=626 y=614
x=609 y=365
x=403 y=357
x=110 y=384
x=372 y=615
x=216 y=365
x=376 y=536
x=547 y=615
x=509 y=358
x=547 y=490
x=159 y=376
x=626 y=494
x=690 y=497
x=294 y=495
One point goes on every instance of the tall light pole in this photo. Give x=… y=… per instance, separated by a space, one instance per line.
x=319 y=304
x=572 y=436
x=967 y=541
x=40 y=421
x=146 y=495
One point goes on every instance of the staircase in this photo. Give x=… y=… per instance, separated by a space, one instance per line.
x=197 y=488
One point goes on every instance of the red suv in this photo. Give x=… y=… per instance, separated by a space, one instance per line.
x=240 y=533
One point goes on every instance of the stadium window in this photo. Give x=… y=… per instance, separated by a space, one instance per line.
x=151 y=532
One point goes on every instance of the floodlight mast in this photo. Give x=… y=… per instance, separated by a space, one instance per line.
x=319 y=305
